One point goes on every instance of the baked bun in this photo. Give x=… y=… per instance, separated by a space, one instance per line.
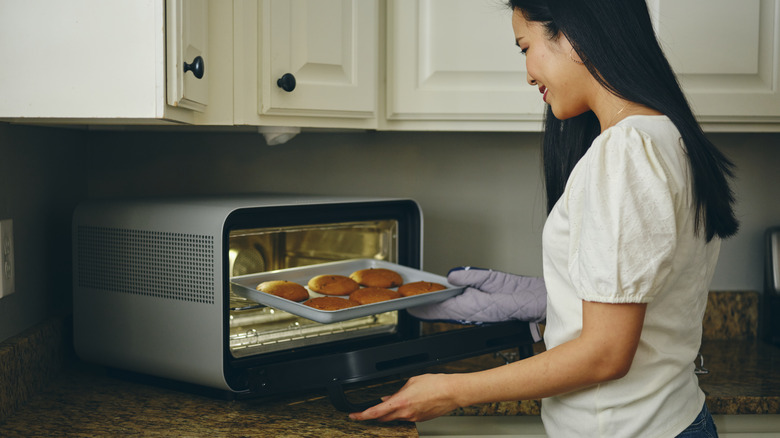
x=333 y=285
x=330 y=303
x=377 y=277
x=369 y=295
x=284 y=289
x=419 y=287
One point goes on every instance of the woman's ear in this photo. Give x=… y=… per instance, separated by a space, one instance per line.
x=575 y=57
x=566 y=47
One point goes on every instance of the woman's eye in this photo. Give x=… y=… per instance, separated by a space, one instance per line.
x=523 y=51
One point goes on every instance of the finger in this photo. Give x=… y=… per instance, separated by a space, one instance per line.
x=394 y=413
x=393 y=416
x=373 y=412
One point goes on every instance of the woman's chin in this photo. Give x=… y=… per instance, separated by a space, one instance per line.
x=564 y=114
x=560 y=115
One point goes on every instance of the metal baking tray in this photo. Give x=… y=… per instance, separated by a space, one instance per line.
x=245 y=285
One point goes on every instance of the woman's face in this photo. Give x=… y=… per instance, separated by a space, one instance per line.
x=565 y=85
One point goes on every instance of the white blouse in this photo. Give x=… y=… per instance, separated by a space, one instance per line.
x=622 y=232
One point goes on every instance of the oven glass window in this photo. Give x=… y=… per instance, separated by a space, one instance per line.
x=255 y=328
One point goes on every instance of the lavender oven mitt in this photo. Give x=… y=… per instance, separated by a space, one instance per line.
x=490 y=296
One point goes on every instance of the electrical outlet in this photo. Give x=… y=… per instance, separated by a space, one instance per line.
x=6 y=257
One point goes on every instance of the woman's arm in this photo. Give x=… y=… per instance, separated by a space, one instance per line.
x=603 y=351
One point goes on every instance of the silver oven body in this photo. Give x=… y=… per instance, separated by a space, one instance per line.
x=151 y=278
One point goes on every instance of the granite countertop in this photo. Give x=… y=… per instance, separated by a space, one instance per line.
x=39 y=398
x=743 y=378
x=84 y=401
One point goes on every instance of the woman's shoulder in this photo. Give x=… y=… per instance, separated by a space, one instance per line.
x=650 y=121
x=654 y=128
x=638 y=134
x=642 y=143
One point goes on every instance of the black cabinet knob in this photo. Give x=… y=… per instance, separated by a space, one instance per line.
x=197 y=67
x=286 y=82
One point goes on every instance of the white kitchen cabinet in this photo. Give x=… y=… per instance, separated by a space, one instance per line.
x=747 y=426
x=367 y=64
x=727 y=58
x=328 y=47
x=453 y=65
x=104 y=62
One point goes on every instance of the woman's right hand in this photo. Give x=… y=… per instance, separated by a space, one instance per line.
x=422 y=398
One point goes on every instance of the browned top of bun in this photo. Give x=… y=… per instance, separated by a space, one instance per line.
x=420 y=287
x=285 y=289
x=377 y=277
x=330 y=303
x=369 y=295
x=333 y=285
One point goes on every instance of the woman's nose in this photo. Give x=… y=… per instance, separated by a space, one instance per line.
x=531 y=81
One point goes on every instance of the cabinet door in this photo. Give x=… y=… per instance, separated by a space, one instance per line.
x=106 y=62
x=725 y=54
x=187 y=41
x=456 y=60
x=81 y=59
x=329 y=47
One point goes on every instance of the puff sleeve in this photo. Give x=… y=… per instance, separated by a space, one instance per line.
x=624 y=210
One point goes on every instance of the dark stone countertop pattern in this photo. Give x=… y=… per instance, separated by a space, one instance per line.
x=39 y=398
x=743 y=378
x=86 y=402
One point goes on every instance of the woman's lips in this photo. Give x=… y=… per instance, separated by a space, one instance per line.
x=543 y=90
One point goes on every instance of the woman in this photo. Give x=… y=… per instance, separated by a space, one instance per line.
x=638 y=201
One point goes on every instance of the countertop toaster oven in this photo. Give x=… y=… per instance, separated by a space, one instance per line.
x=152 y=294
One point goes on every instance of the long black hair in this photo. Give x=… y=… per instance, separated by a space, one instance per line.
x=616 y=41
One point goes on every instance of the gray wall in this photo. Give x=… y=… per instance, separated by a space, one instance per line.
x=41 y=180
x=481 y=193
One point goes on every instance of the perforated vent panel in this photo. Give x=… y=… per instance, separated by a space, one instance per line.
x=166 y=265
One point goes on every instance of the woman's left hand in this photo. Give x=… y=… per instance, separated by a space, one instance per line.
x=422 y=398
